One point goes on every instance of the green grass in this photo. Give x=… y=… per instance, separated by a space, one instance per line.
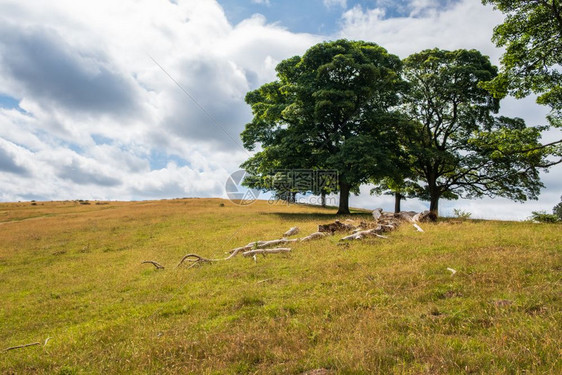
x=72 y=272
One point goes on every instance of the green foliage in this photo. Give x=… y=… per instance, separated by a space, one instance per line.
x=544 y=217
x=459 y=148
x=557 y=210
x=329 y=109
x=461 y=214
x=532 y=37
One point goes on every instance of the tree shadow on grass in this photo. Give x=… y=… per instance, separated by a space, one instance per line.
x=304 y=216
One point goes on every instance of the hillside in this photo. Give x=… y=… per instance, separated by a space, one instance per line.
x=72 y=272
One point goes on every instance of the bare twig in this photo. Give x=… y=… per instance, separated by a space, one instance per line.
x=22 y=346
x=155 y=264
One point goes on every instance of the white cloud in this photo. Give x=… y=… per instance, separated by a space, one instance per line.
x=335 y=3
x=95 y=109
x=467 y=24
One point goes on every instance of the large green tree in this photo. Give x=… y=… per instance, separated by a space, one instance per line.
x=329 y=109
x=532 y=37
x=457 y=148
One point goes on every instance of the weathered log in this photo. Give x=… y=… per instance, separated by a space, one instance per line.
x=363 y=234
x=266 y=251
x=424 y=216
x=418 y=227
x=263 y=244
x=336 y=226
x=313 y=236
x=291 y=232
x=405 y=216
x=377 y=213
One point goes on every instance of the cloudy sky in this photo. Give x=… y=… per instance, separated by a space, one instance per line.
x=144 y=99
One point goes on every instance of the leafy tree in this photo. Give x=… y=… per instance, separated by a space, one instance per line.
x=458 y=147
x=398 y=180
x=391 y=186
x=532 y=37
x=557 y=210
x=328 y=109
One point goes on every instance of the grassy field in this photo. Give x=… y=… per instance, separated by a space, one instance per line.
x=72 y=272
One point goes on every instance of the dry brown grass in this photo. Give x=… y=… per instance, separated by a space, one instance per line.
x=72 y=272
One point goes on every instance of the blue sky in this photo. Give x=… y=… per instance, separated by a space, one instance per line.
x=90 y=106
x=313 y=16
x=317 y=16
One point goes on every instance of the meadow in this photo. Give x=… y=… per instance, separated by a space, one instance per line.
x=71 y=272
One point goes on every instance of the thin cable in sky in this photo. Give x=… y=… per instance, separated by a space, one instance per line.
x=211 y=117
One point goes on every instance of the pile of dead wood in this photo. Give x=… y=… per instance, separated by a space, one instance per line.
x=382 y=222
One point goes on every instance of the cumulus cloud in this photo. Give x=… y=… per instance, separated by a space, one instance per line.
x=94 y=108
x=39 y=63
x=97 y=118
x=464 y=24
x=8 y=160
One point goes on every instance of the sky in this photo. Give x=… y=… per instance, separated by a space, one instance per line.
x=144 y=99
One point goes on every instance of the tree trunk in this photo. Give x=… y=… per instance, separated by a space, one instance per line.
x=397 y=199
x=434 y=204
x=323 y=197
x=343 y=208
x=292 y=197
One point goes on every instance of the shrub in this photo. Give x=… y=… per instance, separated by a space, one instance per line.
x=544 y=217
x=461 y=214
x=557 y=210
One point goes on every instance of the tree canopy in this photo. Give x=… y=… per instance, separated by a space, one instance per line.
x=423 y=127
x=532 y=37
x=456 y=148
x=557 y=210
x=329 y=109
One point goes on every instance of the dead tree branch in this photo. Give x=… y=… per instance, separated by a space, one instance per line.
x=22 y=346
x=155 y=264
x=196 y=260
x=266 y=251
x=292 y=232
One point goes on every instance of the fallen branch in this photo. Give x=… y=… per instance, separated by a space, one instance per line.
x=263 y=244
x=155 y=264
x=418 y=228
x=266 y=251
x=22 y=346
x=313 y=236
x=197 y=259
x=363 y=234
x=292 y=232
